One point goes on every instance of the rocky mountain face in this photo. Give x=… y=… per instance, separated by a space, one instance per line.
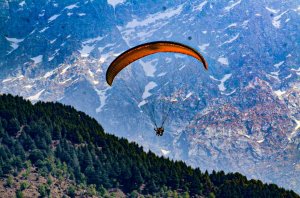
x=241 y=115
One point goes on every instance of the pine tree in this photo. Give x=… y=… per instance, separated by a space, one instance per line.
x=19 y=150
x=13 y=126
x=1 y=171
x=151 y=187
x=56 y=134
x=19 y=194
x=136 y=179
x=87 y=160
x=36 y=155
x=90 y=174
x=27 y=142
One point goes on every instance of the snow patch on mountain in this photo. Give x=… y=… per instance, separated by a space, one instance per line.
x=36 y=96
x=53 y=18
x=102 y=97
x=149 y=67
x=203 y=47
x=114 y=3
x=153 y=18
x=223 y=80
x=14 y=43
x=11 y=79
x=51 y=58
x=297 y=71
x=230 y=93
x=162 y=74
x=272 y=10
x=295 y=131
x=289 y=76
x=223 y=60
x=200 y=6
x=276 y=73
x=140 y=29
x=52 y=41
x=245 y=24
x=65 y=69
x=230 y=40
x=37 y=59
x=101 y=49
x=278 y=64
x=92 y=40
x=279 y=93
x=72 y=6
x=143 y=102
x=297 y=9
x=53 y=55
x=276 y=20
x=92 y=77
x=106 y=56
x=28 y=86
x=50 y=73
x=231 y=25
x=188 y=95
x=179 y=55
x=232 y=5
x=22 y=3
x=213 y=78
x=165 y=152
x=221 y=86
x=7 y=80
x=65 y=81
x=151 y=85
x=88 y=46
x=43 y=30
x=260 y=141
x=183 y=66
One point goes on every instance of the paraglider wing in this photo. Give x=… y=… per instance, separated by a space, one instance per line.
x=146 y=49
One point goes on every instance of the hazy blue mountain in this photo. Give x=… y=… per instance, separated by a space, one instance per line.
x=241 y=115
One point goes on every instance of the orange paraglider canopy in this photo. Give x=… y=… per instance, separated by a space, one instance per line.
x=146 y=49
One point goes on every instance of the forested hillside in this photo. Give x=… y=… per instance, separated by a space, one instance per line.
x=59 y=142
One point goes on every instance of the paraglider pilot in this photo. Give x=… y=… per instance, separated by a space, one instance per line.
x=159 y=131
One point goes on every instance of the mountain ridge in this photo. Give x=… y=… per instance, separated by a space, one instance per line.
x=59 y=51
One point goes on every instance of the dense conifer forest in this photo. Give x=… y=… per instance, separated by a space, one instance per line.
x=59 y=141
